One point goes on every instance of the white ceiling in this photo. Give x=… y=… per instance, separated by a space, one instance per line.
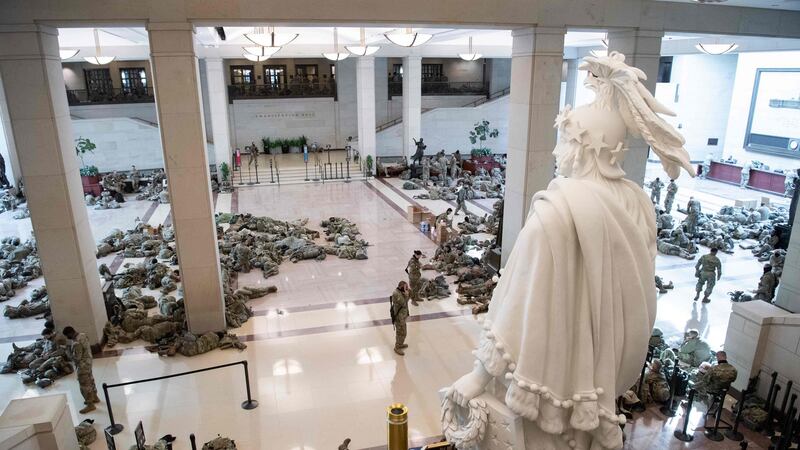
x=792 y=5
x=132 y=43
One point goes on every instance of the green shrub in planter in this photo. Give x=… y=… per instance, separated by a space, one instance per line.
x=89 y=171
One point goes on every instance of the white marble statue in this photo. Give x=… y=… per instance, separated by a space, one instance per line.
x=570 y=319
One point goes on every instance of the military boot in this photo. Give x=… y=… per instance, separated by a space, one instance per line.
x=87 y=409
x=403 y=345
x=696 y=297
x=706 y=300
x=399 y=351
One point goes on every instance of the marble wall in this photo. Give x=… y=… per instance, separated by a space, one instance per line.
x=316 y=118
x=144 y=111
x=448 y=128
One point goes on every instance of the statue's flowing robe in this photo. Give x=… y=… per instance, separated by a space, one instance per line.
x=571 y=316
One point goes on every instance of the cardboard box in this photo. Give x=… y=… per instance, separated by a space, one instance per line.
x=414 y=214
x=429 y=217
x=442 y=233
x=747 y=203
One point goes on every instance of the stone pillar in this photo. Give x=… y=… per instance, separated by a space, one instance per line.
x=642 y=49
x=218 y=103
x=180 y=118
x=365 y=98
x=412 y=103
x=788 y=295
x=37 y=105
x=536 y=62
x=572 y=82
x=7 y=146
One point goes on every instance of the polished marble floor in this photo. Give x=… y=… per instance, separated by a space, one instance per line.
x=320 y=350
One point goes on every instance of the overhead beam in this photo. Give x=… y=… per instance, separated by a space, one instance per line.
x=648 y=14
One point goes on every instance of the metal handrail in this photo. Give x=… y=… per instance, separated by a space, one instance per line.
x=116 y=428
x=478 y=102
x=444 y=88
x=294 y=89
x=110 y=96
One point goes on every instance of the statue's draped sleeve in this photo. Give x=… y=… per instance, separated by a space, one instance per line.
x=571 y=316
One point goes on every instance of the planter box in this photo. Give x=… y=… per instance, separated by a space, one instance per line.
x=294 y=149
x=275 y=151
x=91 y=185
x=486 y=162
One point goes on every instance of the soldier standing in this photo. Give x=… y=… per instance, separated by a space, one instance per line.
x=444 y=217
x=135 y=178
x=82 y=356
x=413 y=269
x=655 y=190
x=745 y=180
x=707 y=270
x=426 y=171
x=672 y=189
x=399 y=315
x=461 y=199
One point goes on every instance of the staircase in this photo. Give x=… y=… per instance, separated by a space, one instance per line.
x=472 y=104
x=297 y=174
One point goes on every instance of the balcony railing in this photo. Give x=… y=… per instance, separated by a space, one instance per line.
x=444 y=88
x=314 y=89
x=111 y=96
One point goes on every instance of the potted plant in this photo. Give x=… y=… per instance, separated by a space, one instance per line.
x=302 y=141
x=294 y=145
x=478 y=136
x=90 y=175
x=224 y=172
x=285 y=145
x=274 y=146
x=267 y=144
x=368 y=162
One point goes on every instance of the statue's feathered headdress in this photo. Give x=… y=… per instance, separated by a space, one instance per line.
x=618 y=82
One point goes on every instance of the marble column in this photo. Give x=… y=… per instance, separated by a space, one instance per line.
x=788 y=295
x=572 y=82
x=30 y=67
x=536 y=63
x=412 y=103
x=7 y=146
x=365 y=99
x=180 y=118
x=642 y=49
x=218 y=103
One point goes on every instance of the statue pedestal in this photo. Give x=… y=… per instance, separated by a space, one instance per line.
x=38 y=423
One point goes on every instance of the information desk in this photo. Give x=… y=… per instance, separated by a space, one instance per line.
x=760 y=180
x=763 y=180
x=727 y=173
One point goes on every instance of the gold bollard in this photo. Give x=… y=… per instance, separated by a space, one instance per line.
x=397 y=425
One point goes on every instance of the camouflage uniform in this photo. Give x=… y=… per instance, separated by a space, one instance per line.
x=656 y=387
x=82 y=355
x=694 y=351
x=414 y=278
x=716 y=379
x=655 y=191
x=766 y=287
x=708 y=271
x=672 y=189
x=461 y=200
x=400 y=308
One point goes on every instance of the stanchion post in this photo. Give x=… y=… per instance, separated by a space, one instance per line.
x=786 y=397
x=669 y=409
x=743 y=445
x=114 y=428
x=714 y=434
x=306 y=163
x=397 y=427
x=769 y=425
x=787 y=431
x=271 y=174
x=734 y=434
x=193 y=441
x=681 y=435
x=249 y=403
x=639 y=407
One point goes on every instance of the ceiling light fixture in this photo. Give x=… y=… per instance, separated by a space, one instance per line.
x=98 y=59
x=408 y=38
x=335 y=55
x=261 y=51
x=716 y=49
x=604 y=41
x=67 y=53
x=270 y=38
x=471 y=56
x=254 y=58
x=363 y=49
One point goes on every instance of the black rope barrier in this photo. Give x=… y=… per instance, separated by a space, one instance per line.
x=639 y=407
x=115 y=428
x=669 y=409
x=734 y=434
x=769 y=425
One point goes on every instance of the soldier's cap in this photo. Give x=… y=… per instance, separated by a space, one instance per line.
x=657 y=332
x=417 y=252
